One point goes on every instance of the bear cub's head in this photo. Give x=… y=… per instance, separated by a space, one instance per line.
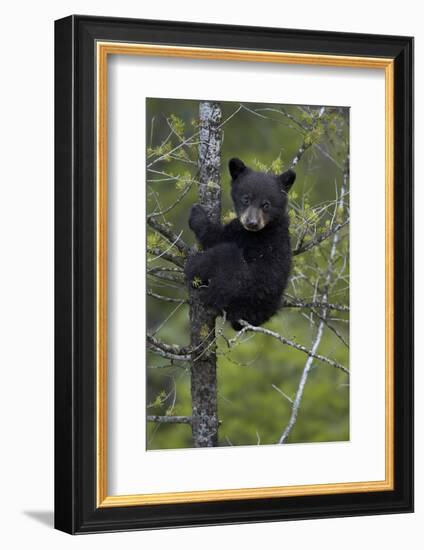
x=259 y=198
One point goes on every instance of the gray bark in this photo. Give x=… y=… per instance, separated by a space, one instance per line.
x=202 y=321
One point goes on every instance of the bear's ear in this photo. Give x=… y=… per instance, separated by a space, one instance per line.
x=286 y=180
x=236 y=167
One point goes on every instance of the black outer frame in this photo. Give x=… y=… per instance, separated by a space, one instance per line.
x=75 y=274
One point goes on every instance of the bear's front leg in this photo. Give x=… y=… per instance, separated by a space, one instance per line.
x=208 y=234
x=198 y=220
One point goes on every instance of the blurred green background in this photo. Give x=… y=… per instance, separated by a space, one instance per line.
x=251 y=407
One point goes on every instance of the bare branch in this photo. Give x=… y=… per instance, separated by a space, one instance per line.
x=294 y=302
x=176 y=353
x=229 y=117
x=247 y=327
x=175 y=203
x=163 y=323
x=164 y=269
x=289 y=399
x=165 y=155
x=165 y=298
x=177 y=279
x=332 y=328
x=300 y=389
x=307 y=142
x=323 y=319
x=169 y=235
x=177 y=260
x=328 y=156
x=320 y=238
x=301 y=151
x=169 y=419
x=170 y=365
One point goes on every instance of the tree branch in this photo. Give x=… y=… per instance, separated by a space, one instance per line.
x=294 y=302
x=304 y=377
x=164 y=269
x=165 y=298
x=185 y=142
x=169 y=235
x=307 y=141
x=320 y=238
x=323 y=320
x=169 y=419
x=174 y=204
x=178 y=280
x=177 y=260
x=247 y=327
x=176 y=353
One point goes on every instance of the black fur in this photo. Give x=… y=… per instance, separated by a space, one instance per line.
x=245 y=264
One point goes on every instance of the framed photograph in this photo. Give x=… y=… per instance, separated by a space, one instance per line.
x=234 y=268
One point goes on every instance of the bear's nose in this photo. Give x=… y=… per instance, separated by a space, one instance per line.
x=252 y=224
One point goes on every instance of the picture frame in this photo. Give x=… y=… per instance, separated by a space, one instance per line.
x=83 y=45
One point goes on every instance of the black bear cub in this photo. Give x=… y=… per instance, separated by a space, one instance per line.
x=245 y=264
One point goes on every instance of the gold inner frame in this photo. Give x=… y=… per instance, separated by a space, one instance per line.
x=104 y=49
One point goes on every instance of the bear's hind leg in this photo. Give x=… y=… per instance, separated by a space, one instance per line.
x=230 y=276
x=199 y=268
x=219 y=272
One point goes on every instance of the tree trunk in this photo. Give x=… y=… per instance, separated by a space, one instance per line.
x=202 y=321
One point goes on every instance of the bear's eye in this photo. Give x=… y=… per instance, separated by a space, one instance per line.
x=245 y=200
x=265 y=206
